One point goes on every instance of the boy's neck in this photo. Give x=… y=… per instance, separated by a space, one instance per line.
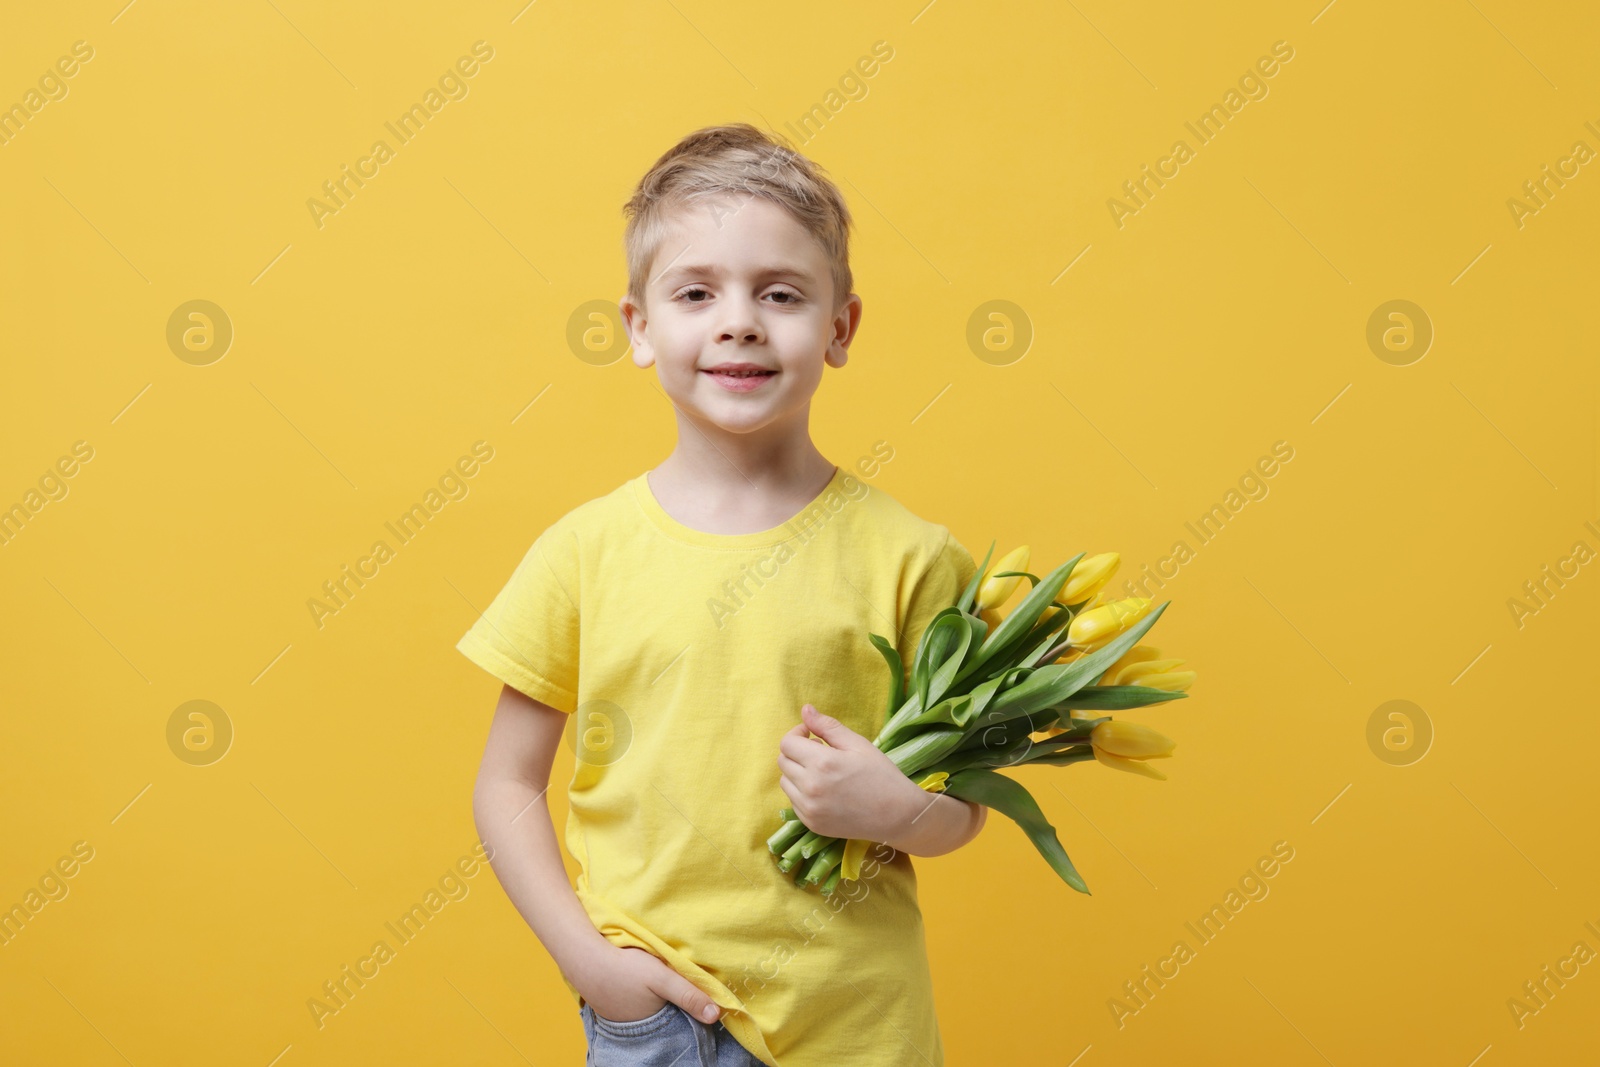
x=736 y=483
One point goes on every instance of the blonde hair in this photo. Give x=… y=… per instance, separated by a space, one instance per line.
x=727 y=160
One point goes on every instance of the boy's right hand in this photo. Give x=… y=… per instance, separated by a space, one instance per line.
x=634 y=984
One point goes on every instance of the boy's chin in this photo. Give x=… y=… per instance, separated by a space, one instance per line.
x=730 y=418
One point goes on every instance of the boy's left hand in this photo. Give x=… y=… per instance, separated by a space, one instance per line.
x=847 y=788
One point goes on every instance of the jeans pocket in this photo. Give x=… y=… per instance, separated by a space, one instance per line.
x=634 y=1027
x=665 y=1039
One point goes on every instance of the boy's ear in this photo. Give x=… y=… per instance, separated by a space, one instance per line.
x=633 y=320
x=845 y=324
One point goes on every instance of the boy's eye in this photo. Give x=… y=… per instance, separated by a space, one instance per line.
x=687 y=294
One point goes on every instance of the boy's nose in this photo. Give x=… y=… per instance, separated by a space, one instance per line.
x=739 y=322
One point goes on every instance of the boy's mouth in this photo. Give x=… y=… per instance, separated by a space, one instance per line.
x=740 y=377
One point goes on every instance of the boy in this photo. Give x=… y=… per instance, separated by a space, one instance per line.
x=699 y=620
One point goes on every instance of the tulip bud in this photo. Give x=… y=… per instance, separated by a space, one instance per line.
x=1133 y=672
x=1088 y=577
x=1172 y=682
x=991 y=617
x=1131 y=740
x=1099 y=626
x=996 y=591
x=1136 y=654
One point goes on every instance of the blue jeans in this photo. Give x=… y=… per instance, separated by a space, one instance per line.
x=669 y=1038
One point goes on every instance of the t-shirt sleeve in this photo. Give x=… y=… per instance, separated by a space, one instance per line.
x=937 y=588
x=528 y=636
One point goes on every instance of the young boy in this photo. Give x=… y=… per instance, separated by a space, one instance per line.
x=698 y=621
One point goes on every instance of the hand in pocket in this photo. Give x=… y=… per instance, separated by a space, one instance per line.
x=636 y=984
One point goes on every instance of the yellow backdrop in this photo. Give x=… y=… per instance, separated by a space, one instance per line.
x=1281 y=302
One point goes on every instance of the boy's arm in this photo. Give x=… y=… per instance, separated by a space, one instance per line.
x=513 y=818
x=938 y=824
x=841 y=785
x=512 y=814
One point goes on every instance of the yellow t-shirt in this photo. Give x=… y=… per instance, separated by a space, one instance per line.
x=686 y=656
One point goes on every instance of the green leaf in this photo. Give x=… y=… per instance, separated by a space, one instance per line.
x=1060 y=750
x=905 y=724
x=969 y=595
x=1062 y=757
x=954 y=711
x=1012 y=800
x=1006 y=750
x=887 y=737
x=947 y=626
x=1017 y=625
x=1033 y=579
x=1058 y=743
x=999 y=737
x=1118 y=697
x=969 y=638
x=1051 y=685
x=1045 y=636
x=897 y=674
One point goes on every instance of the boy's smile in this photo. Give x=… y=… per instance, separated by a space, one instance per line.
x=739 y=316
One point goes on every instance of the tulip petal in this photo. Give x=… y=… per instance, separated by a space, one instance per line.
x=1089 y=577
x=1133 y=765
x=1174 y=682
x=1099 y=626
x=995 y=591
x=1136 y=654
x=850 y=865
x=1133 y=672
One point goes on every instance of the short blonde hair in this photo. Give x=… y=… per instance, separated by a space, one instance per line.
x=729 y=160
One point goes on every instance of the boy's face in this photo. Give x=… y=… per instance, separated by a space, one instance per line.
x=738 y=281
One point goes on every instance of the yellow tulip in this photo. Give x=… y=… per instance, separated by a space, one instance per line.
x=1099 y=626
x=996 y=591
x=991 y=617
x=1133 y=672
x=1136 y=654
x=1125 y=746
x=1173 y=682
x=855 y=851
x=1131 y=740
x=1088 y=577
x=1136 y=766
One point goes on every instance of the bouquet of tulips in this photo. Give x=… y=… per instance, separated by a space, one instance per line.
x=1034 y=686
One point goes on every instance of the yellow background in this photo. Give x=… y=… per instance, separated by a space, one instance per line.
x=1228 y=314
